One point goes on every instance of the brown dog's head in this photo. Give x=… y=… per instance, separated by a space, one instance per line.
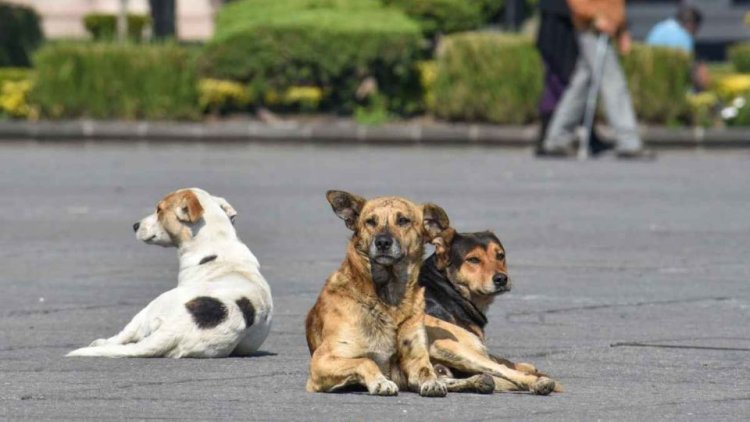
x=181 y=214
x=388 y=229
x=474 y=263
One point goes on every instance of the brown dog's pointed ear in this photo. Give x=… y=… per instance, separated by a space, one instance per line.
x=443 y=242
x=434 y=220
x=189 y=208
x=346 y=205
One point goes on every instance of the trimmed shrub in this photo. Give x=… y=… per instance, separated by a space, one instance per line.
x=103 y=27
x=115 y=81
x=20 y=34
x=443 y=16
x=487 y=77
x=334 y=45
x=659 y=79
x=739 y=56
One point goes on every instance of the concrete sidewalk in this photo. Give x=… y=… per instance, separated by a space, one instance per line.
x=341 y=131
x=630 y=279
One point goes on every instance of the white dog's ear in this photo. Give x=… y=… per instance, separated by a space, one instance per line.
x=189 y=208
x=227 y=207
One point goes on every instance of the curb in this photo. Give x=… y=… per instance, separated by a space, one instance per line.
x=340 y=131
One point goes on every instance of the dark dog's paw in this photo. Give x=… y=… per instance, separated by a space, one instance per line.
x=485 y=384
x=443 y=371
x=434 y=388
x=383 y=387
x=543 y=386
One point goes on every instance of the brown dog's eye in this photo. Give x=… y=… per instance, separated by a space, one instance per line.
x=500 y=256
x=371 y=222
x=473 y=260
x=403 y=221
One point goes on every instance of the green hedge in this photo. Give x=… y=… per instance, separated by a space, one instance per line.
x=115 y=81
x=103 y=27
x=739 y=55
x=659 y=80
x=20 y=34
x=443 y=16
x=487 y=77
x=331 y=44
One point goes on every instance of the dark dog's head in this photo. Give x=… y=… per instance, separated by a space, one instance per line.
x=474 y=263
x=389 y=229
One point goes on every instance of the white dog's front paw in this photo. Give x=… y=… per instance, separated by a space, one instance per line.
x=383 y=387
x=99 y=342
x=434 y=388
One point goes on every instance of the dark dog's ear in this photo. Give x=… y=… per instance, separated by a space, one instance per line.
x=443 y=242
x=434 y=220
x=346 y=205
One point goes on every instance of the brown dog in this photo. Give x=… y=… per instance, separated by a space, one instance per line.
x=367 y=326
x=461 y=280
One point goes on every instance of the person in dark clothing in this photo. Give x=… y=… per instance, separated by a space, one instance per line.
x=558 y=46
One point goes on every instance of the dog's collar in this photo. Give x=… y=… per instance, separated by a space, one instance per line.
x=436 y=279
x=208 y=258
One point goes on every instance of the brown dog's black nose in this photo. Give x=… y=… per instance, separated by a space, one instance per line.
x=135 y=226
x=383 y=242
x=500 y=280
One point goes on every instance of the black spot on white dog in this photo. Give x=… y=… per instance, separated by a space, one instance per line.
x=208 y=259
x=207 y=312
x=247 y=310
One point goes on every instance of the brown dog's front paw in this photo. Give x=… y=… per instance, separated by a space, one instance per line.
x=383 y=387
x=543 y=386
x=433 y=388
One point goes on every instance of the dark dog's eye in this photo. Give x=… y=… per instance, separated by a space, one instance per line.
x=500 y=256
x=474 y=260
x=371 y=222
x=403 y=221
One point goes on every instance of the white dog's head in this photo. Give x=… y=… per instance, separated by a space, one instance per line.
x=181 y=215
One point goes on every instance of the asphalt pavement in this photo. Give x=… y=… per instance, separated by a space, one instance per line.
x=630 y=280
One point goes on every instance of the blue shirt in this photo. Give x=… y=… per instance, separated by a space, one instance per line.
x=669 y=33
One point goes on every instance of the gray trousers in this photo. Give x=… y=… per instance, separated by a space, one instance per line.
x=614 y=91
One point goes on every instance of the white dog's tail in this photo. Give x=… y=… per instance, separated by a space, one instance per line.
x=158 y=344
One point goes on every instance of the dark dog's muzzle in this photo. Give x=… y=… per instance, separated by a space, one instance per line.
x=501 y=283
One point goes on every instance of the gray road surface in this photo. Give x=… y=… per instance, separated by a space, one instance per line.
x=600 y=253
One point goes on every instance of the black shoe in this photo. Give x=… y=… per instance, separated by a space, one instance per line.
x=642 y=154
x=557 y=152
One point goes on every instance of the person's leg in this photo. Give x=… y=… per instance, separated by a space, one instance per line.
x=617 y=103
x=568 y=114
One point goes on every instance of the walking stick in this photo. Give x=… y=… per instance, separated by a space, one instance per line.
x=602 y=44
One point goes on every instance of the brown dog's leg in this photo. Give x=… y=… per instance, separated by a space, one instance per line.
x=329 y=373
x=415 y=359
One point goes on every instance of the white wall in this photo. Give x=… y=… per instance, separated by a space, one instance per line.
x=64 y=18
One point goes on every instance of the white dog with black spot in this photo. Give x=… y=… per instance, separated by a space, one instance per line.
x=222 y=304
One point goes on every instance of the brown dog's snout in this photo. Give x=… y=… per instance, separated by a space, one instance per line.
x=383 y=242
x=500 y=280
x=135 y=226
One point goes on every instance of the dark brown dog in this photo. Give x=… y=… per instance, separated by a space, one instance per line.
x=461 y=280
x=367 y=326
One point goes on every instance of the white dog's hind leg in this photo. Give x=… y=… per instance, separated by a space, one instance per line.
x=157 y=344
x=136 y=330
